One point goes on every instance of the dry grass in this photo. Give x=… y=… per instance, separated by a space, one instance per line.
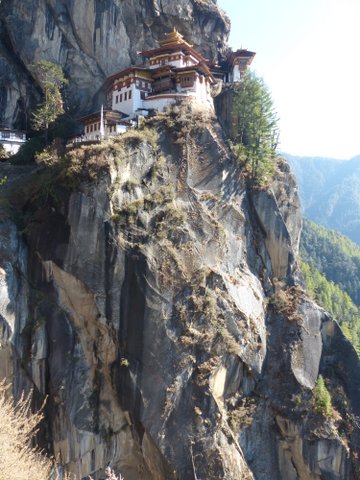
x=18 y=459
x=17 y=427
x=286 y=302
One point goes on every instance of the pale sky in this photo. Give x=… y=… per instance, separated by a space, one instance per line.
x=308 y=53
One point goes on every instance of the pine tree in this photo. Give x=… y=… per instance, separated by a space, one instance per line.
x=256 y=126
x=322 y=398
x=51 y=79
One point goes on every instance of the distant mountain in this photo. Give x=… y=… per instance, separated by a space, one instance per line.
x=331 y=269
x=334 y=256
x=330 y=192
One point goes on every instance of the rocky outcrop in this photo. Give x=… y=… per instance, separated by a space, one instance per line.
x=146 y=293
x=91 y=39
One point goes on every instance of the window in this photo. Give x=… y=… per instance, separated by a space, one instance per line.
x=117 y=99
x=99 y=126
x=125 y=96
x=129 y=94
x=142 y=95
x=91 y=128
x=120 y=97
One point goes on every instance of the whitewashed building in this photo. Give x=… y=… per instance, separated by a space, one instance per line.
x=99 y=125
x=171 y=72
x=12 y=139
x=174 y=71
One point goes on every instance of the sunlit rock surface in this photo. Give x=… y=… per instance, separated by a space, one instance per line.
x=141 y=295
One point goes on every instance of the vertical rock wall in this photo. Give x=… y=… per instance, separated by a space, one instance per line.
x=144 y=303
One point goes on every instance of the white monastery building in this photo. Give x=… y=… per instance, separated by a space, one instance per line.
x=12 y=139
x=174 y=71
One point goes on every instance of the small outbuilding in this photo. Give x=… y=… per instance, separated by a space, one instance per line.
x=12 y=139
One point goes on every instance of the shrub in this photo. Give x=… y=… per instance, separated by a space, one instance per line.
x=134 y=137
x=17 y=427
x=4 y=155
x=28 y=150
x=322 y=398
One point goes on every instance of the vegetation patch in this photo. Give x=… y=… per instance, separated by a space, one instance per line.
x=322 y=398
x=335 y=301
x=133 y=137
x=256 y=129
x=18 y=426
x=242 y=416
x=286 y=302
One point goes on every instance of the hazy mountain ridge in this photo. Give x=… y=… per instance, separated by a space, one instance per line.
x=330 y=192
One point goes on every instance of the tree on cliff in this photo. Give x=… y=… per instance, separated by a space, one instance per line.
x=51 y=79
x=256 y=126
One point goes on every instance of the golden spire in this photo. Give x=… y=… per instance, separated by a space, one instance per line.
x=174 y=38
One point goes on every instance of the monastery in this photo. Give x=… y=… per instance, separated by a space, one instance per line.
x=173 y=71
x=12 y=139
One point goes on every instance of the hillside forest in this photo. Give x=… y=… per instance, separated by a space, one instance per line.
x=331 y=268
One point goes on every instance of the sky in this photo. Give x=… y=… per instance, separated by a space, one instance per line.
x=308 y=53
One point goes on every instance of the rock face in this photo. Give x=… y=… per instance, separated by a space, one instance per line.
x=153 y=297
x=91 y=39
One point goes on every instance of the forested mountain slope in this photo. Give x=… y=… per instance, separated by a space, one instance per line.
x=334 y=255
x=330 y=192
x=331 y=268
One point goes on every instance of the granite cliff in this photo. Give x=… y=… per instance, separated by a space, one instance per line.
x=91 y=39
x=147 y=290
x=153 y=297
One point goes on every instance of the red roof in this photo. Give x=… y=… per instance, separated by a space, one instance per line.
x=110 y=115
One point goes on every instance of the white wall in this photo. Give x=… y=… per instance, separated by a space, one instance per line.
x=176 y=63
x=11 y=147
x=235 y=75
x=203 y=93
x=95 y=134
x=128 y=106
x=160 y=102
x=12 y=140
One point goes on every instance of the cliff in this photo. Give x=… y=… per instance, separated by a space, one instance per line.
x=91 y=39
x=153 y=297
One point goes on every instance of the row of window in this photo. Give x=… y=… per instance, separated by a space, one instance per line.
x=12 y=136
x=127 y=83
x=169 y=59
x=92 y=128
x=96 y=127
x=127 y=96
x=141 y=84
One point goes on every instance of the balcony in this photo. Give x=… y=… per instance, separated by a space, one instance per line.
x=164 y=85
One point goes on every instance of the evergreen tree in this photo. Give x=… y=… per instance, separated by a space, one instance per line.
x=322 y=397
x=256 y=126
x=51 y=79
